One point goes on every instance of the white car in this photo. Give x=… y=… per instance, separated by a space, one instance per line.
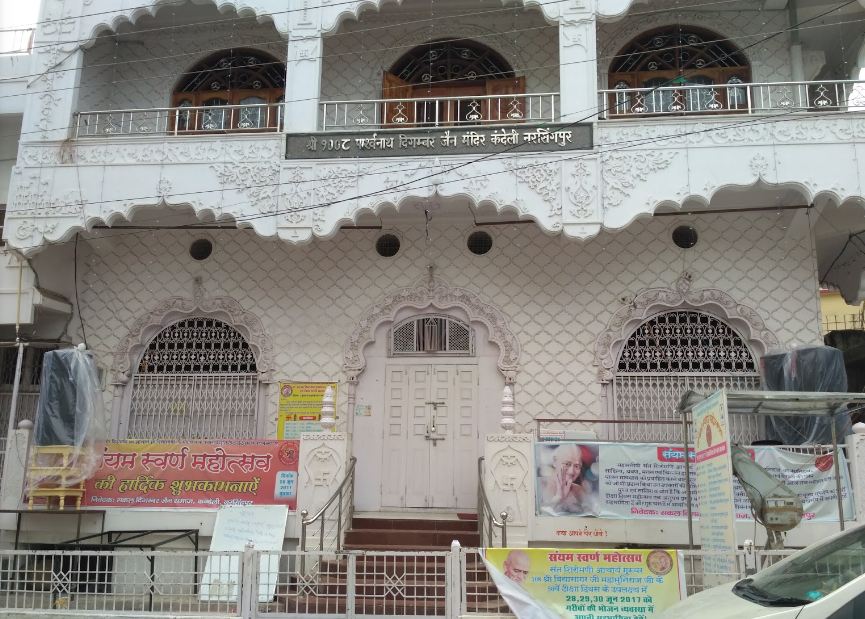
x=823 y=581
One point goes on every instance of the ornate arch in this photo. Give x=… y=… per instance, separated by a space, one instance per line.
x=433 y=292
x=173 y=309
x=744 y=319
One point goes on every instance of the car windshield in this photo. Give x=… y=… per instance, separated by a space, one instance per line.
x=810 y=575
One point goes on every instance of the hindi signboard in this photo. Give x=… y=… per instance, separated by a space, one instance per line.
x=560 y=137
x=601 y=584
x=195 y=475
x=714 y=465
x=300 y=408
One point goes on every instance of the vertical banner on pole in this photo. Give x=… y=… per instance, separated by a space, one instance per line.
x=714 y=466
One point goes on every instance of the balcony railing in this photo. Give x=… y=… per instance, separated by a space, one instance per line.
x=743 y=98
x=369 y=114
x=181 y=120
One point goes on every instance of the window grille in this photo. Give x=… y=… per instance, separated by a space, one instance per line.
x=431 y=335
x=197 y=379
x=670 y=354
x=449 y=61
x=674 y=49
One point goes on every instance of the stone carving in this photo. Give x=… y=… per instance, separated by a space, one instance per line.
x=437 y=293
x=581 y=192
x=759 y=166
x=622 y=172
x=171 y=310
x=649 y=302
x=322 y=466
x=542 y=177
x=509 y=470
x=259 y=181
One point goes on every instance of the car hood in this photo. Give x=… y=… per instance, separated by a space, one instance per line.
x=721 y=603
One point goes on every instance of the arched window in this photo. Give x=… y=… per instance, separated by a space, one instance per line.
x=452 y=68
x=673 y=57
x=238 y=77
x=669 y=354
x=197 y=379
x=431 y=334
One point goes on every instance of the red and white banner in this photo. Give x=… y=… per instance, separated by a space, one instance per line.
x=195 y=475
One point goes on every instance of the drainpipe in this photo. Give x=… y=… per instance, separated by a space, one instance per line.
x=13 y=409
x=797 y=61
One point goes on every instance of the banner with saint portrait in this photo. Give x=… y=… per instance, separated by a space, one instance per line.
x=647 y=480
x=545 y=583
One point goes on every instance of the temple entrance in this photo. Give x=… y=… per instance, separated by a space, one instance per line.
x=430 y=436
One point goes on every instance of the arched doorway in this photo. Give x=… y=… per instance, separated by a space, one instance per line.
x=442 y=77
x=197 y=378
x=426 y=368
x=678 y=56
x=247 y=78
x=670 y=353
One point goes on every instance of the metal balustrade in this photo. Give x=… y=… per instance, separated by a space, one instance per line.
x=253 y=583
x=733 y=98
x=366 y=114
x=188 y=120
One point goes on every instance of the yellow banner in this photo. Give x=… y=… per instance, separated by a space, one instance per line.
x=586 y=584
x=300 y=408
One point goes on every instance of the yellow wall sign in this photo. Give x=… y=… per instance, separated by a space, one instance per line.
x=586 y=584
x=300 y=408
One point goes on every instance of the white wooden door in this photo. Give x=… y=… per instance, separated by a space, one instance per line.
x=430 y=436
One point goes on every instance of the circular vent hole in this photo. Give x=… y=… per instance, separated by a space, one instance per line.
x=480 y=243
x=201 y=249
x=387 y=245
x=685 y=237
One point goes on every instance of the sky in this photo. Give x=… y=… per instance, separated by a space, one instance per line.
x=18 y=13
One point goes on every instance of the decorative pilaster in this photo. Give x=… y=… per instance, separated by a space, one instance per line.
x=508 y=422
x=578 y=71
x=509 y=482
x=303 y=67
x=57 y=64
x=328 y=409
x=323 y=460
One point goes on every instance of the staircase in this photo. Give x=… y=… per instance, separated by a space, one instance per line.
x=400 y=569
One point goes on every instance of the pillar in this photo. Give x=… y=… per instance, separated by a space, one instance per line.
x=324 y=461
x=303 y=71
x=578 y=71
x=509 y=482
x=14 y=472
x=856 y=457
x=57 y=64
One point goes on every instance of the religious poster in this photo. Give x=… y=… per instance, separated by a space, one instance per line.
x=647 y=480
x=195 y=475
x=583 y=584
x=300 y=408
x=714 y=466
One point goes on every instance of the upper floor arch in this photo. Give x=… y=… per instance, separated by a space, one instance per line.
x=101 y=18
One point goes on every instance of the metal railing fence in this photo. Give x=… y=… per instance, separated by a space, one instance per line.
x=487 y=521
x=743 y=98
x=842 y=322
x=189 y=120
x=119 y=581
x=364 y=114
x=333 y=518
x=253 y=583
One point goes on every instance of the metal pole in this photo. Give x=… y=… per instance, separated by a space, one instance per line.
x=13 y=409
x=837 y=475
x=687 y=479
